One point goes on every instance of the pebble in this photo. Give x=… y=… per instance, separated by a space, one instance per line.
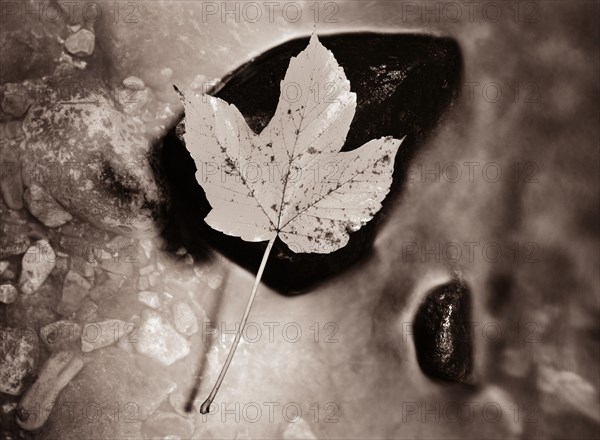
x=149 y=298
x=81 y=43
x=18 y=358
x=3 y=266
x=37 y=263
x=158 y=340
x=8 y=293
x=56 y=373
x=75 y=289
x=184 y=318
x=96 y=335
x=43 y=207
x=11 y=184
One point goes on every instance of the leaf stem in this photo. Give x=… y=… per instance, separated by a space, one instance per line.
x=205 y=408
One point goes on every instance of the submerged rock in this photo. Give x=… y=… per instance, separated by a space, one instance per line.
x=96 y=161
x=442 y=333
x=184 y=318
x=159 y=340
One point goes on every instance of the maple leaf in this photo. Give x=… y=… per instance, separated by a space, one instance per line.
x=290 y=181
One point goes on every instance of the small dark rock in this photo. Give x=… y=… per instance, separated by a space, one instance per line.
x=443 y=333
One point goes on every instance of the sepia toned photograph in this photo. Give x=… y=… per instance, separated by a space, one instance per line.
x=299 y=220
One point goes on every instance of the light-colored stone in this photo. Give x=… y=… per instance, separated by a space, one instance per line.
x=81 y=43
x=43 y=207
x=8 y=293
x=158 y=340
x=184 y=318
x=37 y=263
x=3 y=266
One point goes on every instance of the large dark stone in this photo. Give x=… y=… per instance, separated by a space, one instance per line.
x=442 y=333
x=403 y=82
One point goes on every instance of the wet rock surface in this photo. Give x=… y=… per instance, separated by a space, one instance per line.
x=18 y=358
x=97 y=162
x=443 y=333
x=396 y=96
